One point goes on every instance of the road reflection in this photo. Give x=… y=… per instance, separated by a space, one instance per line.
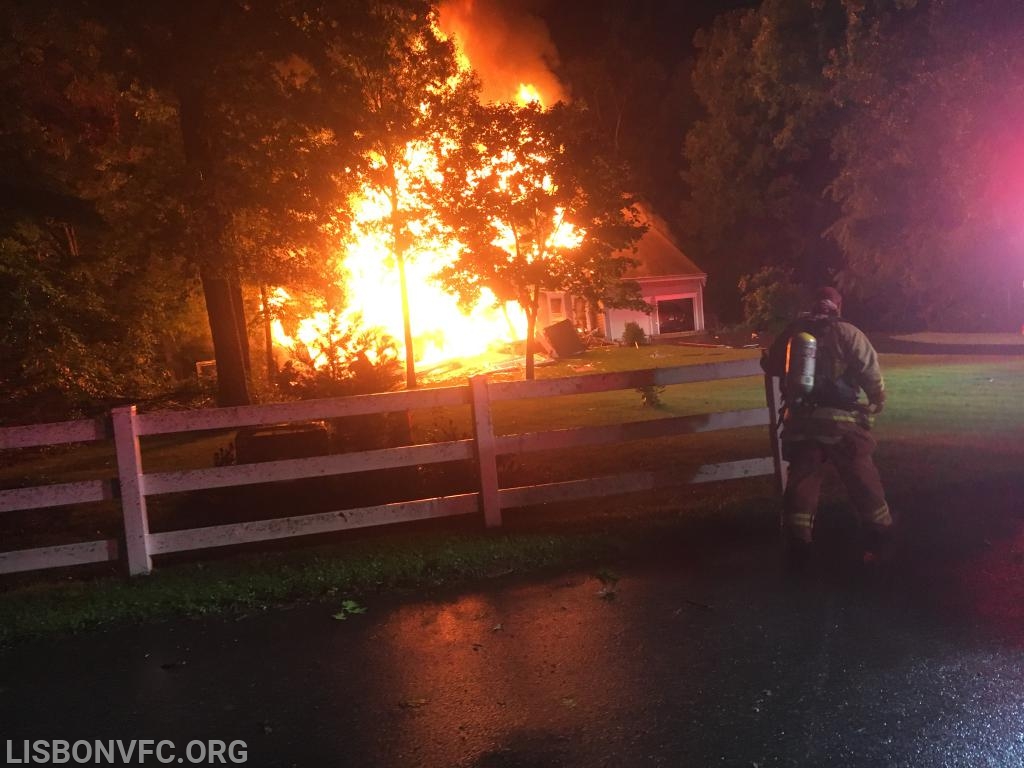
x=471 y=671
x=991 y=588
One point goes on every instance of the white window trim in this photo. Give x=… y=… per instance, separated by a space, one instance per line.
x=551 y=295
x=656 y=315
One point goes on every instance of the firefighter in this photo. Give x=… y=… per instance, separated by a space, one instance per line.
x=826 y=362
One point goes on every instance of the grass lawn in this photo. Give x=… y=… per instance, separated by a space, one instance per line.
x=952 y=422
x=968 y=339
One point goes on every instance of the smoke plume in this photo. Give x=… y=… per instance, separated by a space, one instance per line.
x=507 y=47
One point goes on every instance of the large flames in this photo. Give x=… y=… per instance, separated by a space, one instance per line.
x=441 y=329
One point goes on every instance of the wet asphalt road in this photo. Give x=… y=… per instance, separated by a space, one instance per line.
x=713 y=657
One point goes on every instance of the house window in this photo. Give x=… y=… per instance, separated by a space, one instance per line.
x=556 y=306
x=675 y=315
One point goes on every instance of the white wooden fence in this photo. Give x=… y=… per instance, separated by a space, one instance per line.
x=133 y=485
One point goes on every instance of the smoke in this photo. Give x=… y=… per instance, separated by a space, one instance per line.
x=507 y=46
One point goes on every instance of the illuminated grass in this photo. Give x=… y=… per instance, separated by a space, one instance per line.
x=951 y=420
x=965 y=339
x=254 y=583
x=401 y=561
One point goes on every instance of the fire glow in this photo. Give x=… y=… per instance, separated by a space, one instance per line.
x=441 y=329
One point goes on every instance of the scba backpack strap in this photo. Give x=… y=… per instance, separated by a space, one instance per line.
x=816 y=366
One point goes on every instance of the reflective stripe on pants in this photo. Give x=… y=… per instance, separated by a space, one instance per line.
x=851 y=456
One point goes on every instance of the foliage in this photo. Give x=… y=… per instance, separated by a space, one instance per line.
x=758 y=162
x=930 y=189
x=348 y=608
x=609 y=581
x=94 y=305
x=633 y=335
x=346 y=361
x=225 y=455
x=410 y=91
x=637 y=101
x=193 y=145
x=771 y=299
x=250 y=183
x=545 y=210
x=46 y=365
x=650 y=396
x=871 y=144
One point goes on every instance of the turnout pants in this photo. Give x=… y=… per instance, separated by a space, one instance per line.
x=849 y=452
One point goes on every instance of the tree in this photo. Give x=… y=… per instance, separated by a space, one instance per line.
x=637 y=93
x=86 y=318
x=932 y=206
x=410 y=90
x=227 y=129
x=543 y=210
x=757 y=165
x=250 y=149
x=874 y=143
x=771 y=299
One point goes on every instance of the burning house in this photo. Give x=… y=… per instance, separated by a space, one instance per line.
x=669 y=282
x=392 y=290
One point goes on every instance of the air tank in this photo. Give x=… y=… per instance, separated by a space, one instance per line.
x=800 y=356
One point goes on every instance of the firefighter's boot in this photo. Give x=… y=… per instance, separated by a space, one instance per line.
x=796 y=554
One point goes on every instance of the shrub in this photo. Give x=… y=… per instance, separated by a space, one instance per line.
x=350 y=362
x=771 y=298
x=650 y=395
x=633 y=335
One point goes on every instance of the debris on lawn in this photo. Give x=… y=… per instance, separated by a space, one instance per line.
x=348 y=608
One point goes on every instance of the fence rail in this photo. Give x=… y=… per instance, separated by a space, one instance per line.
x=59 y=433
x=132 y=485
x=308 y=410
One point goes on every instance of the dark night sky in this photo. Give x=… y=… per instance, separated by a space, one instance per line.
x=576 y=25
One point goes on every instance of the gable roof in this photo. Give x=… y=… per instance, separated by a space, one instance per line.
x=658 y=253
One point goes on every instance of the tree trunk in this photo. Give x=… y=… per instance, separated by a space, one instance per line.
x=398 y=243
x=232 y=383
x=238 y=304
x=268 y=337
x=531 y=325
x=221 y=287
x=410 y=364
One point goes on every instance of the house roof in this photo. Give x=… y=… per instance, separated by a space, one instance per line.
x=659 y=255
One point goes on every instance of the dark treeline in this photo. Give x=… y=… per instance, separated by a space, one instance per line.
x=871 y=143
x=154 y=154
x=165 y=162
x=874 y=143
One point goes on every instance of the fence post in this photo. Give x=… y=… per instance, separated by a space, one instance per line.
x=486 y=452
x=133 y=500
x=773 y=396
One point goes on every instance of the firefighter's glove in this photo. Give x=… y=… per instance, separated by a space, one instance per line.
x=875 y=408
